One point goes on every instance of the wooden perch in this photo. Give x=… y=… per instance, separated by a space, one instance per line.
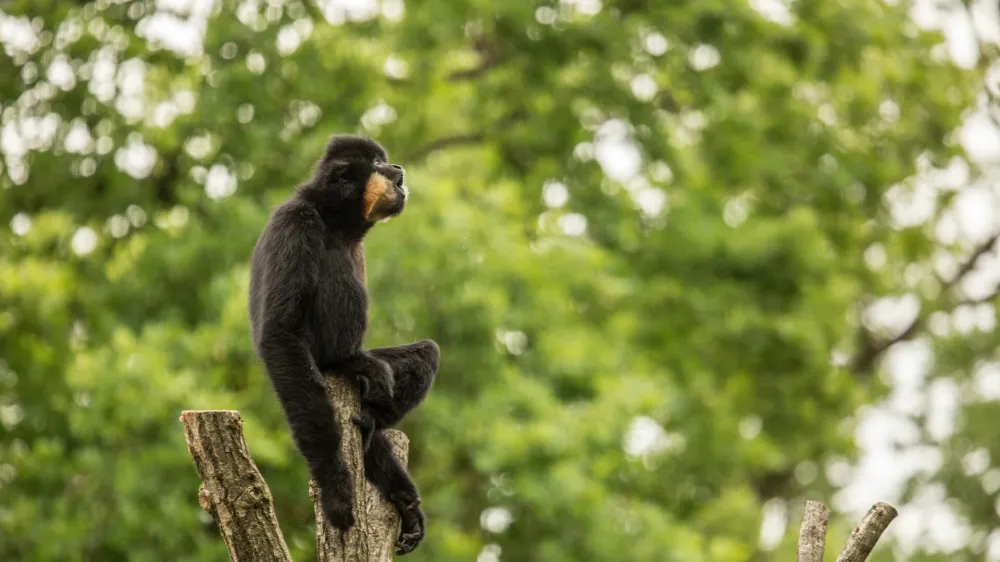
x=373 y=535
x=812 y=536
x=235 y=494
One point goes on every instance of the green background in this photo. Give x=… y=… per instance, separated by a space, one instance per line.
x=646 y=235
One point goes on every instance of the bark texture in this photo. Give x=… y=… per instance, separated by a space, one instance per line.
x=865 y=535
x=373 y=536
x=812 y=535
x=232 y=489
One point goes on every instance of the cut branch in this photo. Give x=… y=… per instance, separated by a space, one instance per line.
x=237 y=497
x=373 y=536
x=812 y=535
x=865 y=535
x=232 y=489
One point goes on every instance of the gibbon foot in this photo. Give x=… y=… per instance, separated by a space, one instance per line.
x=375 y=377
x=411 y=531
x=338 y=509
x=366 y=424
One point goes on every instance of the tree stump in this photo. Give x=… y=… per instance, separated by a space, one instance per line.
x=235 y=494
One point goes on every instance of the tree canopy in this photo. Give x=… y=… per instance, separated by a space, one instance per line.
x=657 y=243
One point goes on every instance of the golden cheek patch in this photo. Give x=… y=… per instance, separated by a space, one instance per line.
x=378 y=189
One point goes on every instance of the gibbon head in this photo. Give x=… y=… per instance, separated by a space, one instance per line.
x=355 y=173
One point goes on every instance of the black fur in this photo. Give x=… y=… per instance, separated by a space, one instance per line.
x=309 y=315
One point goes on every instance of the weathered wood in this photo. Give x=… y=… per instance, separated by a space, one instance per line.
x=235 y=494
x=232 y=489
x=867 y=533
x=812 y=535
x=373 y=536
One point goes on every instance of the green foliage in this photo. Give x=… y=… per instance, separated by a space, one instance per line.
x=695 y=302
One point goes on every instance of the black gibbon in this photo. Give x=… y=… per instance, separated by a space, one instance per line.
x=309 y=316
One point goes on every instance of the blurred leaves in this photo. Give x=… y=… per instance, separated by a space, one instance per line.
x=638 y=231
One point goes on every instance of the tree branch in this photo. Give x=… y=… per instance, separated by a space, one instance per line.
x=490 y=58
x=373 y=536
x=490 y=61
x=462 y=139
x=970 y=263
x=812 y=535
x=865 y=535
x=865 y=359
x=989 y=297
x=870 y=352
x=445 y=142
x=232 y=489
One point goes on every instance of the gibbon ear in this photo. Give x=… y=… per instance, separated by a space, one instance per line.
x=329 y=171
x=379 y=195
